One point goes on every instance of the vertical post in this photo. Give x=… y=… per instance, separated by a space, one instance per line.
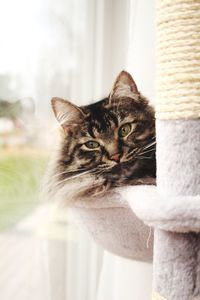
x=176 y=255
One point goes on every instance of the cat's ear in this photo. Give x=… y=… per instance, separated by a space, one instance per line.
x=67 y=114
x=124 y=86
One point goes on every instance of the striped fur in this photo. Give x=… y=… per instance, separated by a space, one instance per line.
x=93 y=171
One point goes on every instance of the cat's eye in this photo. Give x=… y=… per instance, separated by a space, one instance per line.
x=125 y=130
x=92 y=145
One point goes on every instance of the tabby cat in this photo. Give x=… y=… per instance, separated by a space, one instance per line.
x=108 y=144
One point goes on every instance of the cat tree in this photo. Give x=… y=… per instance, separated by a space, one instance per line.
x=173 y=208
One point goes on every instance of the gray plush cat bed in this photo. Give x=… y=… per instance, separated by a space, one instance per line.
x=112 y=224
x=177 y=214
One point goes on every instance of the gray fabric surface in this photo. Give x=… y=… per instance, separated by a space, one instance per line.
x=112 y=224
x=176 y=255
x=178 y=157
x=178 y=214
x=176 y=265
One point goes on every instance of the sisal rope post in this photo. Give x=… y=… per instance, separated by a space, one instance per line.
x=178 y=59
x=176 y=273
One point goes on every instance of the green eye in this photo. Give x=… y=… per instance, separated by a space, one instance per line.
x=92 y=145
x=125 y=130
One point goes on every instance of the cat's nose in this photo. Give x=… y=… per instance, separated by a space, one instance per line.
x=116 y=157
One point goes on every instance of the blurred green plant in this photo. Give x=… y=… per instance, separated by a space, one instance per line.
x=21 y=172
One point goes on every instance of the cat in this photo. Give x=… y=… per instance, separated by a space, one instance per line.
x=104 y=145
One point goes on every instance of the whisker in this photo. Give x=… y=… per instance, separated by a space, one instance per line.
x=76 y=170
x=72 y=177
x=144 y=152
x=132 y=152
x=100 y=172
x=97 y=169
x=153 y=138
x=143 y=157
x=136 y=151
x=103 y=170
x=66 y=172
x=149 y=145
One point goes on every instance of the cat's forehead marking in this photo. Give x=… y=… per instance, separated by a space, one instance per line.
x=101 y=121
x=104 y=132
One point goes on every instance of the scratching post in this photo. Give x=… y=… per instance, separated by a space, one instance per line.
x=177 y=254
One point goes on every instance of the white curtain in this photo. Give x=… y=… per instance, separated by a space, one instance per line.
x=124 y=279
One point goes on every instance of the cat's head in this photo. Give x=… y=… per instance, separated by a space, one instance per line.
x=110 y=138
